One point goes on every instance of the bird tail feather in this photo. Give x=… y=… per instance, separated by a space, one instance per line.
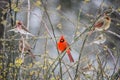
x=70 y=56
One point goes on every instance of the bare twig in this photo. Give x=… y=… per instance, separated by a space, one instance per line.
x=78 y=19
x=76 y=72
x=111 y=32
x=53 y=35
x=67 y=71
x=28 y=17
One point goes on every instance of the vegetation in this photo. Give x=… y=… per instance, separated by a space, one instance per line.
x=48 y=20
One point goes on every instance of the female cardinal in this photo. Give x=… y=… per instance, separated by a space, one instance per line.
x=99 y=40
x=24 y=45
x=63 y=45
x=102 y=24
x=19 y=27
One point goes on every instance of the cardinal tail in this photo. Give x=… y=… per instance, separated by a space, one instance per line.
x=70 y=56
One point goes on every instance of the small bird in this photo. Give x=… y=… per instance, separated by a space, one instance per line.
x=99 y=40
x=63 y=45
x=20 y=28
x=24 y=46
x=102 y=24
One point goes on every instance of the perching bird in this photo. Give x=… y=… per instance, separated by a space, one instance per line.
x=19 y=27
x=63 y=45
x=102 y=24
x=25 y=47
x=99 y=40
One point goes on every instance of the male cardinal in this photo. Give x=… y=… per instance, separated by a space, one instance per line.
x=19 y=27
x=24 y=45
x=63 y=45
x=102 y=24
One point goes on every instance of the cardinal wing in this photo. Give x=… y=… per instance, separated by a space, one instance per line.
x=68 y=45
x=99 y=24
x=23 y=27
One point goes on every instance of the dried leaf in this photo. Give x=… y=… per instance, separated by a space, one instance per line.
x=59 y=7
x=38 y=3
x=16 y=9
x=86 y=1
x=32 y=72
x=59 y=26
x=4 y=22
x=77 y=33
x=118 y=9
x=18 y=61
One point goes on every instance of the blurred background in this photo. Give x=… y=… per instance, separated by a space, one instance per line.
x=48 y=20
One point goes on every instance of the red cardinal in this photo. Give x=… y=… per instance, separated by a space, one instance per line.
x=63 y=45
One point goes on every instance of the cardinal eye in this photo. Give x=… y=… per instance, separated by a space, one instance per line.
x=107 y=18
x=19 y=23
x=100 y=37
x=61 y=40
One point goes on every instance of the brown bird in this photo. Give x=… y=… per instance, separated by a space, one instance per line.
x=25 y=47
x=102 y=24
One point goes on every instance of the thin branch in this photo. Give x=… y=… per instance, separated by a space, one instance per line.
x=28 y=16
x=78 y=19
x=16 y=12
x=76 y=72
x=10 y=3
x=67 y=71
x=53 y=35
x=111 y=32
x=45 y=57
x=88 y=29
